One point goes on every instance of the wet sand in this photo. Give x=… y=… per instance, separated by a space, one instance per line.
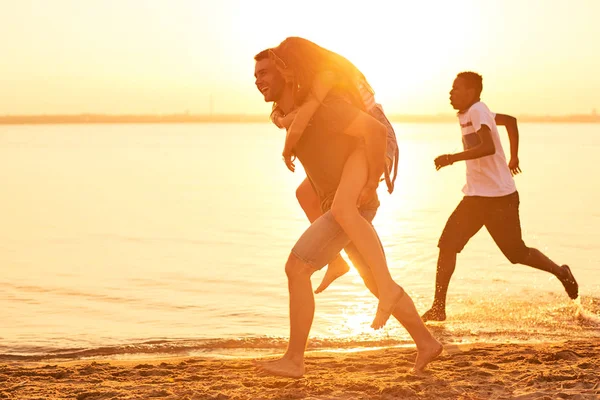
x=567 y=370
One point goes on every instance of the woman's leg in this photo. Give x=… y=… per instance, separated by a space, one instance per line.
x=428 y=348
x=363 y=236
x=309 y=201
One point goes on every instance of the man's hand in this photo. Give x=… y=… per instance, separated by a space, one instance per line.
x=367 y=193
x=443 y=161
x=288 y=158
x=513 y=165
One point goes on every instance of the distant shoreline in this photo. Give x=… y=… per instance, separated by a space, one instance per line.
x=250 y=118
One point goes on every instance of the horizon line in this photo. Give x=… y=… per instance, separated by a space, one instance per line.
x=249 y=118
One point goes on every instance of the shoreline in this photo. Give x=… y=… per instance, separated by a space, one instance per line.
x=247 y=353
x=74 y=119
x=567 y=369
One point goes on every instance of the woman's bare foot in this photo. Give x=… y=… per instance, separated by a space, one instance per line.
x=282 y=367
x=434 y=314
x=386 y=306
x=334 y=270
x=427 y=355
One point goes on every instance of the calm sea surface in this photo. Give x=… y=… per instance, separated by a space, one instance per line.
x=125 y=240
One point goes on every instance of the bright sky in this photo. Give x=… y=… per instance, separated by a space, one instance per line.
x=153 y=56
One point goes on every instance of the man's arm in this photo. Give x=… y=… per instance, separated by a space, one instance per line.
x=375 y=144
x=512 y=129
x=485 y=148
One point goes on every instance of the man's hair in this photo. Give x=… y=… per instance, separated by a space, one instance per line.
x=262 y=55
x=473 y=80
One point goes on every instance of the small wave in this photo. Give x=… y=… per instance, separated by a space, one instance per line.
x=186 y=347
x=517 y=321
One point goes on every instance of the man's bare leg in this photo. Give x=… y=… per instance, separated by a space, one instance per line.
x=309 y=201
x=302 y=311
x=428 y=348
x=535 y=258
x=539 y=260
x=445 y=268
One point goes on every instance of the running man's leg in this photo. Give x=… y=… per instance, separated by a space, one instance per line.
x=463 y=224
x=504 y=225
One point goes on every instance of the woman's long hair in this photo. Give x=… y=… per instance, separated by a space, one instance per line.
x=300 y=60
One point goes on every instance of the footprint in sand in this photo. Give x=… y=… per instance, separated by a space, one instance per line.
x=489 y=366
x=462 y=364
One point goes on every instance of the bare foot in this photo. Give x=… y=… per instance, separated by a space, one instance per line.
x=569 y=282
x=386 y=307
x=434 y=314
x=427 y=355
x=334 y=271
x=281 y=367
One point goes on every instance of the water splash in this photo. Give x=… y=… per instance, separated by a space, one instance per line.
x=584 y=316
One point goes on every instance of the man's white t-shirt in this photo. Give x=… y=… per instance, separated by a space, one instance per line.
x=487 y=176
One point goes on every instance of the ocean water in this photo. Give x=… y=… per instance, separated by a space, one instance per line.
x=136 y=240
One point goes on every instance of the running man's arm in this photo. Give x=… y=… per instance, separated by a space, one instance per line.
x=486 y=147
x=512 y=129
x=321 y=86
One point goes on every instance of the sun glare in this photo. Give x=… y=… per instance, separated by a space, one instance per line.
x=150 y=57
x=407 y=60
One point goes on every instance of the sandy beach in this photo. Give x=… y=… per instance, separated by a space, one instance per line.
x=567 y=370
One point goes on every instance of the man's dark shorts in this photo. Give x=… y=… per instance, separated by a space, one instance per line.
x=500 y=215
